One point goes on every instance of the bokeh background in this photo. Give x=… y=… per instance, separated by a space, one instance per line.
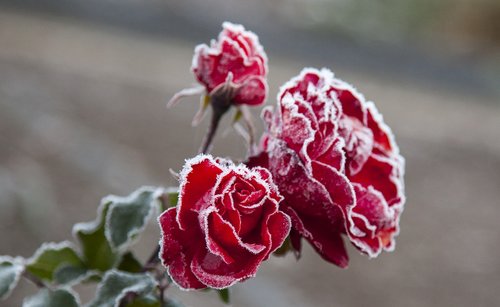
x=83 y=86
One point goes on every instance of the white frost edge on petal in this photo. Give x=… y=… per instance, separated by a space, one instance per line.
x=160 y=252
x=252 y=36
x=19 y=263
x=342 y=85
x=215 y=47
x=388 y=211
x=397 y=165
x=203 y=217
x=330 y=103
x=133 y=235
x=289 y=102
x=186 y=170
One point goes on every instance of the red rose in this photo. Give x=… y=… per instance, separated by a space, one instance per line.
x=375 y=169
x=235 y=64
x=338 y=173
x=226 y=223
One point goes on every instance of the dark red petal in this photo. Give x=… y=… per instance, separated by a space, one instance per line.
x=279 y=227
x=382 y=174
x=296 y=128
x=381 y=132
x=358 y=143
x=199 y=178
x=224 y=235
x=323 y=235
x=302 y=191
x=252 y=91
x=353 y=103
x=174 y=254
x=215 y=273
x=373 y=216
x=296 y=241
x=336 y=183
x=261 y=160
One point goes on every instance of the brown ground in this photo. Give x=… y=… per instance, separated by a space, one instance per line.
x=82 y=115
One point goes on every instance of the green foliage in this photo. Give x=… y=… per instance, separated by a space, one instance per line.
x=118 y=286
x=284 y=248
x=146 y=301
x=96 y=250
x=69 y=274
x=51 y=257
x=171 y=302
x=224 y=295
x=103 y=257
x=10 y=272
x=127 y=216
x=173 y=197
x=130 y=264
x=59 y=297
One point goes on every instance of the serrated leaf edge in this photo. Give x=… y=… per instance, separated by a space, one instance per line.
x=19 y=261
x=52 y=246
x=133 y=235
x=124 y=290
x=81 y=278
x=65 y=288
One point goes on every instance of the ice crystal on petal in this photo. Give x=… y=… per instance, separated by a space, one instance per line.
x=226 y=223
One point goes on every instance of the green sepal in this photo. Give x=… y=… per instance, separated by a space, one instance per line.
x=224 y=295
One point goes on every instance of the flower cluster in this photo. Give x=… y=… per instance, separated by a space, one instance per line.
x=327 y=169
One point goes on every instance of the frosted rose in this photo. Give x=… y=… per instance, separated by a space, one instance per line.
x=335 y=164
x=226 y=223
x=234 y=65
x=375 y=169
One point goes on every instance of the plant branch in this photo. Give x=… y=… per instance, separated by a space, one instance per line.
x=214 y=124
x=35 y=280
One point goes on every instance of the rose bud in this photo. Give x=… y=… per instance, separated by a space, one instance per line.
x=235 y=66
x=329 y=167
x=232 y=72
x=226 y=223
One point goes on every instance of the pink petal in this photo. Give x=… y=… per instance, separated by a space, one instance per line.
x=252 y=91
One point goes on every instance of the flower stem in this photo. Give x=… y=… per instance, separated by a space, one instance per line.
x=214 y=124
x=220 y=102
x=153 y=260
x=35 y=280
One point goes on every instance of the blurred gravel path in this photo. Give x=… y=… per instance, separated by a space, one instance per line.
x=82 y=115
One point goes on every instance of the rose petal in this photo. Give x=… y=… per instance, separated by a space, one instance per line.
x=200 y=175
x=380 y=173
x=175 y=254
x=253 y=91
x=323 y=236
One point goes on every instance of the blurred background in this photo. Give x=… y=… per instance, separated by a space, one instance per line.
x=83 y=87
